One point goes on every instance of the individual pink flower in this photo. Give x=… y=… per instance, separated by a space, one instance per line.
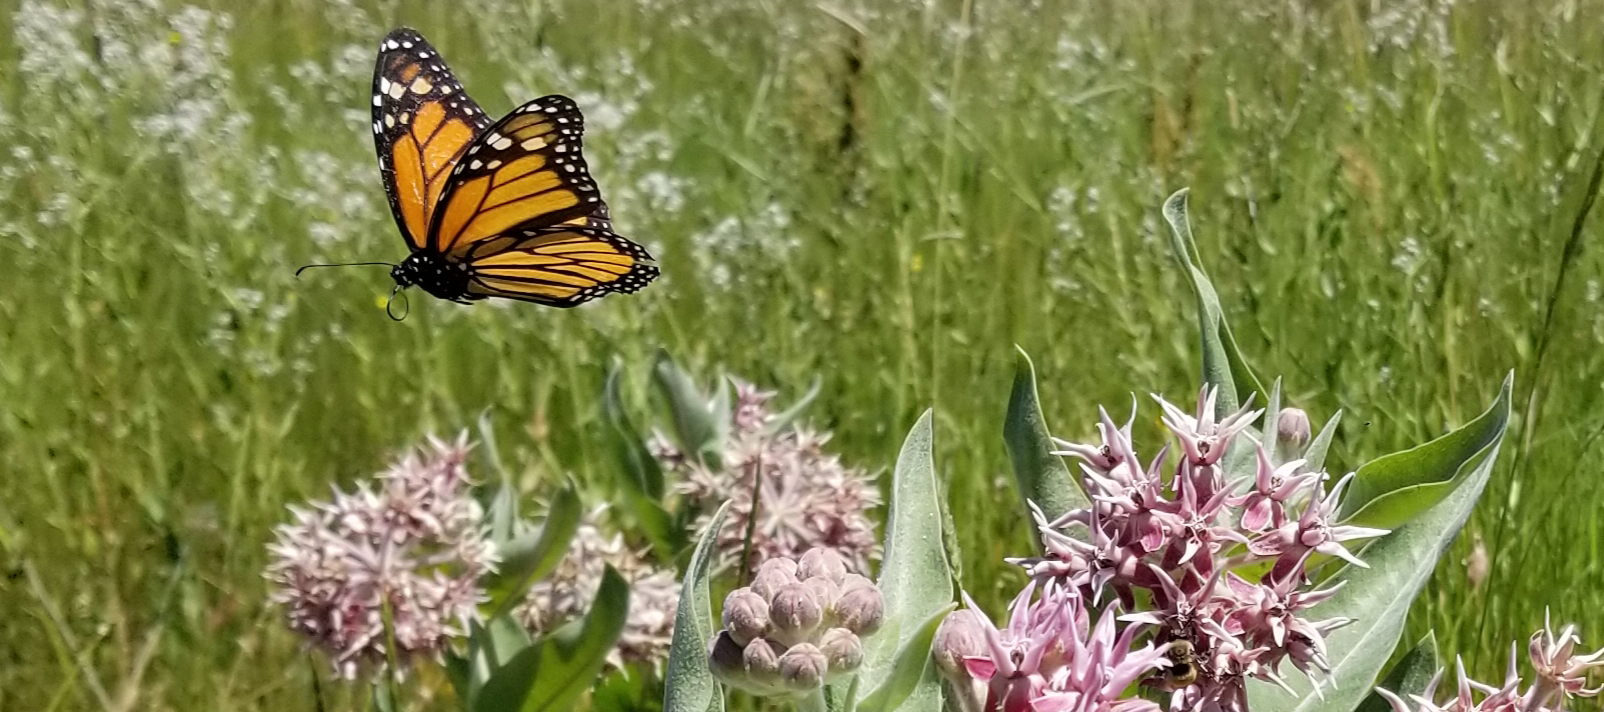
x=1267 y=615
x=1205 y=439
x=1115 y=451
x=1264 y=505
x=1561 y=671
x=1314 y=531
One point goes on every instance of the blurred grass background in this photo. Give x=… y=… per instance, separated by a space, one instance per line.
x=1391 y=196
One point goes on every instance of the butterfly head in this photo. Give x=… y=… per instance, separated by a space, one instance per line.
x=434 y=273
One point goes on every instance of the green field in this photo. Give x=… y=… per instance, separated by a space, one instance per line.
x=1393 y=199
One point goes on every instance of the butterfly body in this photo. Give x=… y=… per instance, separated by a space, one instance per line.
x=502 y=209
x=434 y=274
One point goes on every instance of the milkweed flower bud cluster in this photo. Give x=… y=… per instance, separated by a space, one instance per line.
x=806 y=496
x=570 y=590
x=1047 y=658
x=1561 y=675
x=1181 y=533
x=799 y=625
x=410 y=544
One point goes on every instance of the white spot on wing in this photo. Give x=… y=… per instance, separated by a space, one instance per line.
x=499 y=142
x=421 y=85
x=536 y=144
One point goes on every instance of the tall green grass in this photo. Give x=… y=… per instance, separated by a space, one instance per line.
x=1392 y=197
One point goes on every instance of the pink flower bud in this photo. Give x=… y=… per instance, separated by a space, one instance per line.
x=803 y=666
x=725 y=660
x=843 y=649
x=746 y=615
x=761 y=662
x=822 y=562
x=1291 y=432
x=794 y=613
x=851 y=581
x=960 y=636
x=825 y=590
x=860 y=609
x=773 y=574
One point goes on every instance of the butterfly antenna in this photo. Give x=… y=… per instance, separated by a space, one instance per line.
x=343 y=264
x=406 y=304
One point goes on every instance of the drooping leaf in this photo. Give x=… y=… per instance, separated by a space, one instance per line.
x=1390 y=489
x=689 y=685
x=643 y=483
x=503 y=505
x=1409 y=677
x=914 y=575
x=1223 y=364
x=645 y=477
x=491 y=645
x=382 y=700
x=534 y=555
x=1042 y=477
x=783 y=419
x=552 y=674
x=1377 y=598
x=697 y=428
x=908 y=667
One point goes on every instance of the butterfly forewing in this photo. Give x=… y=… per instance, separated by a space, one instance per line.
x=423 y=123
x=561 y=266
x=523 y=173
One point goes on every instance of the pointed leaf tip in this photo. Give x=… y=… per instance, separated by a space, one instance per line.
x=1041 y=476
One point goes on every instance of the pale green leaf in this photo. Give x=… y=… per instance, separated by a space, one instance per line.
x=1378 y=598
x=1042 y=477
x=689 y=685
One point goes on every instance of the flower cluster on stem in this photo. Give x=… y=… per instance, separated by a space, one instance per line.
x=407 y=548
x=570 y=590
x=805 y=496
x=1224 y=563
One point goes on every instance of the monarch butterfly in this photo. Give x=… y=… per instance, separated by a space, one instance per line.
x=491 y=209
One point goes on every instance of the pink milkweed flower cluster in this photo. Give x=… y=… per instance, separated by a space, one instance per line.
x=1046 y=659
x=410 y=544
x=806 y=497
x=570 y=590
x=1182 y=533
x=1561 y=675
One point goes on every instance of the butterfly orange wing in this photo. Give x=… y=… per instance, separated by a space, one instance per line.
x=423 y=123
x=561 y=266
x=523 y=173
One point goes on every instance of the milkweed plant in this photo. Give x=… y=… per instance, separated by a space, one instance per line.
x=1222 y=569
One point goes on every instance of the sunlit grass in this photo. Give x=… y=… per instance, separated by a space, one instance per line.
x=886 y=195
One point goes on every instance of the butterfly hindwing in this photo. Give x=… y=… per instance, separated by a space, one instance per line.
x=423 y=123
x=562 y=266
x=525 y=172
